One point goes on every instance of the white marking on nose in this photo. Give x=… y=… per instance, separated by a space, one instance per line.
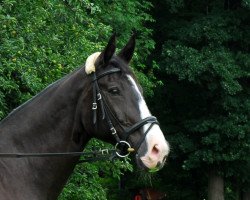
x=158 y=147
x=144 y=111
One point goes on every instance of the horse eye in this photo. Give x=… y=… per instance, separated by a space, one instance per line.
x=114 y=91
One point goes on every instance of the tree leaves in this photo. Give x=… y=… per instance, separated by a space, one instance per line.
x=43 y=41
x=204 y=66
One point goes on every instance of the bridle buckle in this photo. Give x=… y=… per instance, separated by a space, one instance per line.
x=99 y=96
x=94 y=106
x=113 y=131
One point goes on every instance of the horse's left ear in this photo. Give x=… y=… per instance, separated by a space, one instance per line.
x=127 y=52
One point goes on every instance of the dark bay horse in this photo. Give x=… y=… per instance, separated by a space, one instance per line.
x=101 y=100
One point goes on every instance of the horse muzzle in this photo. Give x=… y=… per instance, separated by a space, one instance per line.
x=154 y=158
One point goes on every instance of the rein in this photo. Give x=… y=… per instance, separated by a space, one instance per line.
x=94 y=155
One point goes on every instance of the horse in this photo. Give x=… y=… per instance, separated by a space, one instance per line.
x=103 y=100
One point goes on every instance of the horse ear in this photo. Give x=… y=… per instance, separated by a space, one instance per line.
x=127 y=52
x=107 y=53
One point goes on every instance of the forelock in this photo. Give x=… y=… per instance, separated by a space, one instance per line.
x=119 y=63
x=125 y=69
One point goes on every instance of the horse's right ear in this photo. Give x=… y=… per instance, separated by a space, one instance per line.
x=107 y=53
x=127 y=52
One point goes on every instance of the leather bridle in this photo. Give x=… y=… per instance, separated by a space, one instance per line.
x=123 y=147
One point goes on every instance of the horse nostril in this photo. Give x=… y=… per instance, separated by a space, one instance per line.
x=155 y=150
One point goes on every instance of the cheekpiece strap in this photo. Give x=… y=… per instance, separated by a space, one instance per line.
x=94 y=104
x=97 y=97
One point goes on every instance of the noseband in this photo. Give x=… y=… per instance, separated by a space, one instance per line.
x=123 y=147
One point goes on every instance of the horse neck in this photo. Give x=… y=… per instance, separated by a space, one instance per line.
x=47 y=123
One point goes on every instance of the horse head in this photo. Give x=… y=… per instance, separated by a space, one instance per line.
x=119 y=112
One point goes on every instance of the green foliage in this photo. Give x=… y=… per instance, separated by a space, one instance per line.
x=39 y=46
x=204 y=65
x=42 y=41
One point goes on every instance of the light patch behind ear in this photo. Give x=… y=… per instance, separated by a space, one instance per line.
x=90 y=62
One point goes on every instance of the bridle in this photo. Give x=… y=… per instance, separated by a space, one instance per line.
x=123 y=147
